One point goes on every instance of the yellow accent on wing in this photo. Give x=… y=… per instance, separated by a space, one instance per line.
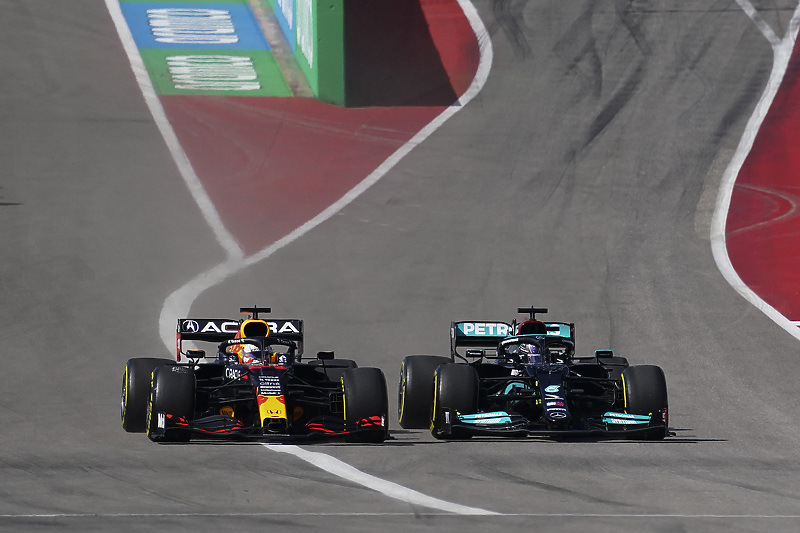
x=435 y=398
x=403 y=390
x=344 y=400
x=624 y=396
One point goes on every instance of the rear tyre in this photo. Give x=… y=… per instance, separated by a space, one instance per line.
x=136 y=392
x=645 y=388
x=365 y=399
x=455 y=389
x=415 y=390
x=171 y=394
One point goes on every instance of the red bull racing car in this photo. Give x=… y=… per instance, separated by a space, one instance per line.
x=524 y=379
x=257 y=385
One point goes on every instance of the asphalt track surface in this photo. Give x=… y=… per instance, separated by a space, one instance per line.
x=583 y=177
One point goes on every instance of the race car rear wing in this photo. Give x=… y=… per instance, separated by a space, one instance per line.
x=561 y=329
x=217 y=330
x=481 y=338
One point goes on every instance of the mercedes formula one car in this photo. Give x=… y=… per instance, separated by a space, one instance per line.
x=256 y=386
x=523 y=379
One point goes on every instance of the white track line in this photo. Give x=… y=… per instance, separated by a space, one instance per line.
x=782 y=51
x=392 y=490
x=199 y=194
x=180 y=301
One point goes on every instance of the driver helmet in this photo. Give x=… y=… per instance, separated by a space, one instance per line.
x=250 y=348
x=511 y=352
x=530 y=354
x=250 y=353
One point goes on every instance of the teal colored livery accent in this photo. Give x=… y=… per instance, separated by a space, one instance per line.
x=624 y=418
x=495 y=417
x=515 y=385
x=560 y=330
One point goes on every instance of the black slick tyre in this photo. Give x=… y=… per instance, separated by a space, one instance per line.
x=136 y=392
x=171 y=394
x=365 y=399
x=455 y=390
x=645 y=389
x=415 y=390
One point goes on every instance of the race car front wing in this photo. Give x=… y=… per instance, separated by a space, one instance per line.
x=610 y=425
x=320 y=427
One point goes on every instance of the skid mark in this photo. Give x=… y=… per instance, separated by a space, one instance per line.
x=784 y=207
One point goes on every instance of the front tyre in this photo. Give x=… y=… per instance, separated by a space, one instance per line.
x=455 y=390
x=171 y=403
x=366 y=404
x=415 y=390
x=645 y=388
x=136 y=392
